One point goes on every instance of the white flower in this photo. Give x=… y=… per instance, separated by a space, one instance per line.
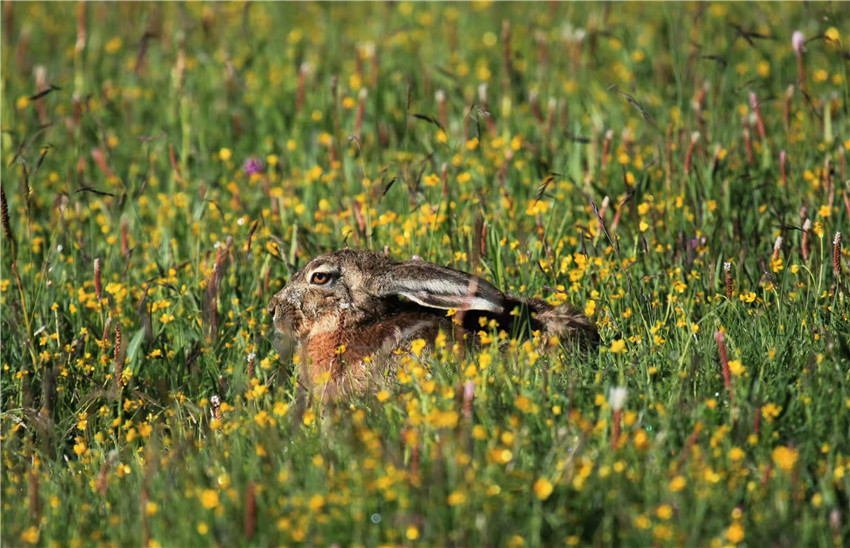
x=617 y=397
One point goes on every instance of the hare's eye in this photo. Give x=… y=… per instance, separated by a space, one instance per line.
x=320 y=278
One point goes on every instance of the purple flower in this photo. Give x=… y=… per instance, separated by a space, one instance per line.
x=253 y=165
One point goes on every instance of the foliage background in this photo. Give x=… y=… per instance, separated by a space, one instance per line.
x=195 y=154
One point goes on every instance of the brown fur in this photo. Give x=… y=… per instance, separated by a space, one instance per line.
x=373 y=306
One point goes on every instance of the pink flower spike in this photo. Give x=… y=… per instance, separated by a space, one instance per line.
x=797 y=41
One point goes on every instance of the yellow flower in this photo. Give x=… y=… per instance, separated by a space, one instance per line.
x=30 y=535
x=642 y=522
x=209 y=499
x=543 y=488
x=736 y=454
x=678 y=483
x=113 y=45
x=412 y=533
x=832 y=34
x=225 y=154
x=737 y=368
x=316 y=502
x=280 y=409
x=456 y=497
x=770 y=411
x=618 y=346
x=151 y=508
x=824 y=211
x=664 y=511
x=501 y=455
x=417 y=346
x=383 y=396
x=735 y=533
x=785 y=457
x=524 y=404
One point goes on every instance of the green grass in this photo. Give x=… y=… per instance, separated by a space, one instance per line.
x=108 y=434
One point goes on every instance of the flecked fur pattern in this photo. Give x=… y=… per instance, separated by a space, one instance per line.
x=349 y=311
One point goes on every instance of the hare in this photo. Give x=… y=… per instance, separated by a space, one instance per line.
x=349 y=310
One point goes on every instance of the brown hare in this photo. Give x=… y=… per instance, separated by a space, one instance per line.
x=349 y=310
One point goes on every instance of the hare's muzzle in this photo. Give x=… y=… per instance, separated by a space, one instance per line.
x=282 y=313
x=276 y=311
x=273 y=306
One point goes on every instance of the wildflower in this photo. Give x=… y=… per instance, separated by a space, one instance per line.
x=832 y=34
x=785 y=457
x=678 y=483
x=456 y=497
x=642 y=522
x=618 y=346
x=543 y=488
x=641 y=440
x=417 y=346
x=798 y=40
x=737 y=368
x=316 y=502
x=209 y=499
x=770 y=411
x=225 y=154
x=30 y=535
x=524 y=404
x=412 y=533
x=253 y=166
x=735 y=533
x=114 y=45
x=724 y=363
x=736 y=454
x=617 y=397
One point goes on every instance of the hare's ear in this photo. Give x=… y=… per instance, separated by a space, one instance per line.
x=436 y=286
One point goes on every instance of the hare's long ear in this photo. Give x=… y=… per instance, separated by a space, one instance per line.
x=437 y=286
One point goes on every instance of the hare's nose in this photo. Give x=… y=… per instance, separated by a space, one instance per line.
x=273 y=306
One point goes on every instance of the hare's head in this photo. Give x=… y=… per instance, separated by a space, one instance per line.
x=365 y=287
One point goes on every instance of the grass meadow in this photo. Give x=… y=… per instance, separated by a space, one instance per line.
x=679 y=171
